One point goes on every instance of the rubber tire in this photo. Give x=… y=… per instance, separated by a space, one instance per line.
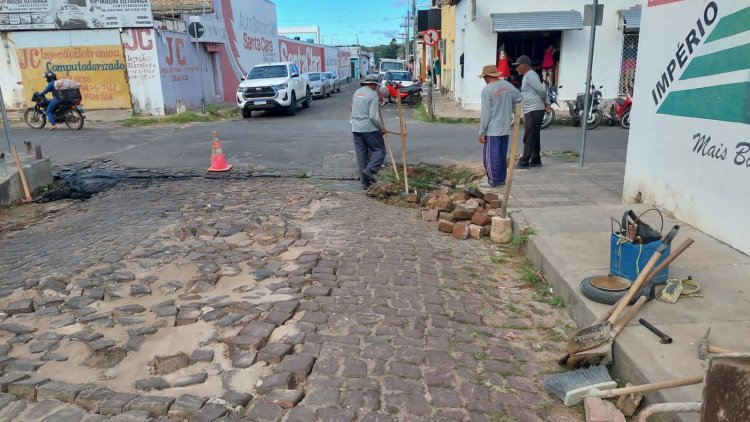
x=625 y=121
x=292 y=109
x=549 y=121
x=27 y=117
x=329 y=94
x=247 y=113
x=414 y=103
x=607 y=297
x=597 y=120
x=576 y=122
x=74 y=119
x=308 y=99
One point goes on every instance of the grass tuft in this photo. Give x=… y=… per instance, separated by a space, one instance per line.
x=213 y=114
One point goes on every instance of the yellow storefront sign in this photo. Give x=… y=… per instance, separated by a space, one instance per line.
x=101 y=71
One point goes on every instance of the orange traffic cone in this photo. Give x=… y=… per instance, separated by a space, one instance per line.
x=218 y=160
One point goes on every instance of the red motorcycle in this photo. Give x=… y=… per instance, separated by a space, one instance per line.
x=411 y=95
x=620 y=111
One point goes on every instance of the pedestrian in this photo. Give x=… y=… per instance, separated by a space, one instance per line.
x=368 y=131
x=535 y=103
x=498 y=100
x=436 y=71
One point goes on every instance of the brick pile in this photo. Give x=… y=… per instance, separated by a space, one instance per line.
x=464 y=214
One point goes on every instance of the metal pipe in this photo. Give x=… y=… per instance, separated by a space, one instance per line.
x=587 y=98
x=694 y=407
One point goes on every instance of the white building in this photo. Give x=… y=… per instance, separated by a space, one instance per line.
x=523 y=27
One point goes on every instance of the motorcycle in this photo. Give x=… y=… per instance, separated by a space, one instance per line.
x=620 y=111
x=595 y=116
x=411 y=95
x=69 y=111
x=549 y=116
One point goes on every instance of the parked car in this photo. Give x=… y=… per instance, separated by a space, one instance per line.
x=403 y=78
x=273 y=86
x=71 y=16
x=334 y=80
x=319 y=86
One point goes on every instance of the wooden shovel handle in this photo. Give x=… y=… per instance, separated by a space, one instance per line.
x=625 y=320
x=682 y=382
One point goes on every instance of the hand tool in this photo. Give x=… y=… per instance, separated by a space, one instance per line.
x=595 y=335
x=665 y=339
x=512 y=164
x=388 y=145
x=704 y=348
x=27 y=194
x=403 y=143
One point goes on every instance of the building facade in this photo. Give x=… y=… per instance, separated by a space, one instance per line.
x=552 y=34
x=448 y=56
x=147 y=61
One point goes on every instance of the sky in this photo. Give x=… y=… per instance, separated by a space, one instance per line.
x=342 y=21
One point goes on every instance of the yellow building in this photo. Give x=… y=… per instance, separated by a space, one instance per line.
x=448 y=60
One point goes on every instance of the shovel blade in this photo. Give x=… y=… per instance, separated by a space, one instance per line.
x=600 y=355
x=590 y=337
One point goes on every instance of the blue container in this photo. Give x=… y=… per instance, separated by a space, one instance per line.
x=627 y=259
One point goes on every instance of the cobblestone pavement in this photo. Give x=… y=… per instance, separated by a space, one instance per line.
x=265 y=300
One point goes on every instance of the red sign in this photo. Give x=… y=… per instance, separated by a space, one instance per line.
x=308 y=58
x=652 y=3
x=431 y=36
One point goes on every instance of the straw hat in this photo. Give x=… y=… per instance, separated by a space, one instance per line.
x=491 y=70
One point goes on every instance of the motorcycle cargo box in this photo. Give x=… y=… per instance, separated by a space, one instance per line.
x=69 y=95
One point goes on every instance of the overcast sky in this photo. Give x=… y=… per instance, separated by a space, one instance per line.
x=341 y=21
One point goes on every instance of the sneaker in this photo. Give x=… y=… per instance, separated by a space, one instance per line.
x=369 y=175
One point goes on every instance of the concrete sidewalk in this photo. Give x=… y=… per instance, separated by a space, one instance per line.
x=569 y=209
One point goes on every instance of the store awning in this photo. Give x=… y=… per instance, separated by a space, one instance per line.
x=632 y=17
x=536 y=21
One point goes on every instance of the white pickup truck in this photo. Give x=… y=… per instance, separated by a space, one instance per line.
x=273 y=86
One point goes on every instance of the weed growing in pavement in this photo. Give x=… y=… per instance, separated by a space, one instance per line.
x=479 y=333
x=570 y=156
x=543 y=292
x=498 y=259
x=427 y=177
x=301 y=175
x=496 y=417
x=424 y=116
x=187 y=117
x=480 y=356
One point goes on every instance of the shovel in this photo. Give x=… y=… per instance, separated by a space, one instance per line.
x=595 y=335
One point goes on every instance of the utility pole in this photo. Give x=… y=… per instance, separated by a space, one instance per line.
x=587 y=95
x=407 y=38
x=416 y=33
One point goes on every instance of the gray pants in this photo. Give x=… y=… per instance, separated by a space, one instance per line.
x=370 y=150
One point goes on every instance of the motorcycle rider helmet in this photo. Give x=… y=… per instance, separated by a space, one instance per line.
x=50 y=76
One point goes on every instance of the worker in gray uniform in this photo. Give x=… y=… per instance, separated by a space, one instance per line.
x=368 y=130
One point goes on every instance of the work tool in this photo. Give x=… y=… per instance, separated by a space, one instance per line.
x=27 y=194
x=512 y=164
x=598 y=334
x=403 y=142
x=602 y=355
x=606 y=315
x=665 y=339
x=704 y=348
x=388 y=145
x=571 y=388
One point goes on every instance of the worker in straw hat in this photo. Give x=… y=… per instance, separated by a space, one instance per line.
x=498 y=100
x=368 y=130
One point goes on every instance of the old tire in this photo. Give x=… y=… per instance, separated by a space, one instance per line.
x=608 y=297
x=35 y=119
x=292 y=109
x=308 y=99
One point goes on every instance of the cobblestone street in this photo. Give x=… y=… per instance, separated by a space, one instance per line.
x=266 y=300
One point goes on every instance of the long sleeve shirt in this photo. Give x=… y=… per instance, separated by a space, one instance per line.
x=365 y=111
x=534 y=93
x=498 y=99
x=50 y=88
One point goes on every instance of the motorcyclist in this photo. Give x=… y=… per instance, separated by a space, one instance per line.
x=51 y=78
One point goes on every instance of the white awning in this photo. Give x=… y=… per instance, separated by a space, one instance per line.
x=536 y=21
x=632 y=17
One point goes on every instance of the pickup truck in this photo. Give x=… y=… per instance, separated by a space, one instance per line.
x=273 y=86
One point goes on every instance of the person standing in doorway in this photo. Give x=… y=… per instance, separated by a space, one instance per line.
x=548 y=65
x=368 y=131
x=436 y=71
x=498 y=100
x=535 y=103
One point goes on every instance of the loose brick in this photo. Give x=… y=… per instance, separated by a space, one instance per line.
x=430 y=215
x=481 y=219
x=477 y=232
x=461 y=230
x=446 y=226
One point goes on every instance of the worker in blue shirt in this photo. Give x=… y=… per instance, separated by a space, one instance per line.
x=51 y=78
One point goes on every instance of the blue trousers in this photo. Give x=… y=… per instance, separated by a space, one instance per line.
x=370 y=150
x=495 y=159
x=51 y=110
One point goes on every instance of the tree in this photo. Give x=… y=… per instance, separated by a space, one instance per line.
x=388 y=51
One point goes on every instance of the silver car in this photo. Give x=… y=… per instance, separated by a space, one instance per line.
x=334 y=80
x=319 y=86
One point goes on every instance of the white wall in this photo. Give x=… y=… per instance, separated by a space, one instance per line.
x=10 y=76
x=707 y=188
x=481 y=44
